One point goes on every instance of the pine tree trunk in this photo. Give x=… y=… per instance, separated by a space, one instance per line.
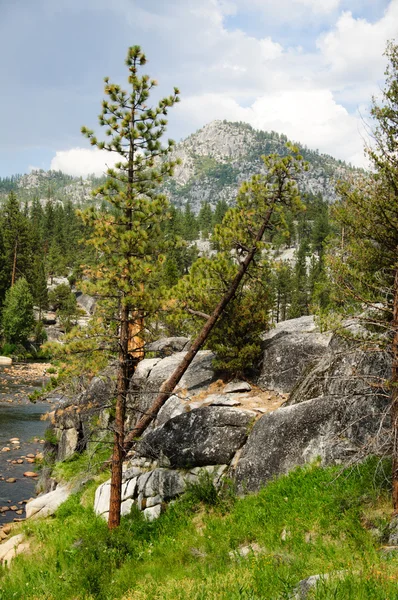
x=118 y=443
x=394 y=398
x=168 y=386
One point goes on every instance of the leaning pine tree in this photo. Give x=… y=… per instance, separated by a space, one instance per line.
x=127 y=237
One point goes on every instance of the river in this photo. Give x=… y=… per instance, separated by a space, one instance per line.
x=19 y=418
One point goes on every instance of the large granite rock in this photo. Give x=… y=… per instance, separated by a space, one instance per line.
x=151 y=373
x=345 y=371
x=47 y=504
x=334 y=430
x=205 y=436
x=290 y=349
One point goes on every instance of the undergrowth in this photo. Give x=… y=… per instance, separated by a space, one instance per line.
x=312 y=521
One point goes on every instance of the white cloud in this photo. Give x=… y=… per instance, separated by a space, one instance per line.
x=81 y=162
x=353 y=49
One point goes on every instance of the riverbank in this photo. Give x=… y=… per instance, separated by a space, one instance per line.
x=22 y=431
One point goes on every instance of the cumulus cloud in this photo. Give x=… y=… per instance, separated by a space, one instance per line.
x=81 y=162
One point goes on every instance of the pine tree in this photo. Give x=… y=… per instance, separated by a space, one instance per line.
x=364 y=261
x=128 y=240
x=17 y=314
x=205 y=219
x=17 y=240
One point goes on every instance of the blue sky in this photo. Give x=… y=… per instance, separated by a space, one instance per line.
x=307 y=68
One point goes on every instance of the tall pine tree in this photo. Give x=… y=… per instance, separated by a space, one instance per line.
x=128 y=238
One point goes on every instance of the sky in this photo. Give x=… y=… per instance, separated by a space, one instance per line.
x=306 y=68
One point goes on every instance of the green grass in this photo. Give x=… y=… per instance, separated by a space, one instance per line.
x=312 y=521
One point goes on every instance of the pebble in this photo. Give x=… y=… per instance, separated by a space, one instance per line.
x=30 y=474
x=5 y=449
x=30 y=460
x=14 y=507
x=30 y=456
x=11 y=480
x=19 y=511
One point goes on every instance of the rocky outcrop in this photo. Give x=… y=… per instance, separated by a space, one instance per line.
x=202 y=437
x=149 y=487
x=73 y=424
x=337 y=413
x=345 y=371
x=335 y=431
x=290 y=350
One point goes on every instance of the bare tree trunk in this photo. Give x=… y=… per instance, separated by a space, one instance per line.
x=118 y=443
x=394 y=398
x=168 y=386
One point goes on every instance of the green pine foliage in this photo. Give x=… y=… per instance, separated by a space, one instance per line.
x=236 y=337
x=363 y=258
x=17 y=313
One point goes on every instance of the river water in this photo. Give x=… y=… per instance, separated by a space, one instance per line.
x=19 y=418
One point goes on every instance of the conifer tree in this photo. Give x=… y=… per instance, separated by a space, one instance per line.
x=364 y=262
x=128 y=239
x=17 y=315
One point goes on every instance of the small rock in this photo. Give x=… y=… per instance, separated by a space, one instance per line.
x=7 y=528
x=30 y=456
x=30 y=460
x=19 y=512
x=152 y=512
x=225 y=402
x=11 y=480
x=6 y=449
x=237 y=386
x=30 y=474
x=14 y=507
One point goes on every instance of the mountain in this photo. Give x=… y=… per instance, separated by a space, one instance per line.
x=219 y=157
x=214 y=162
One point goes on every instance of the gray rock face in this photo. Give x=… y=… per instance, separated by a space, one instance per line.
x=72 y=424
x=172 y=408
x=86 y=302
x=290 y=349
x=149 y=376
x=167 y=346
x=337 y=431
x=344 y=371
x=205 y=436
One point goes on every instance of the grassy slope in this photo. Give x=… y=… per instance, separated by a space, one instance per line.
x=309 y=522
